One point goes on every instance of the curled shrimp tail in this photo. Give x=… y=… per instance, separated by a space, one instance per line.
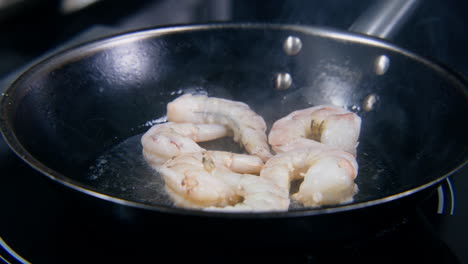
x=167 y=140
x=328 y=175
x=329 y=125
x=249 y=128
x=257 y=194
x=217 y=180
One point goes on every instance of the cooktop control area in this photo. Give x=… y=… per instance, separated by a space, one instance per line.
x=35 y=221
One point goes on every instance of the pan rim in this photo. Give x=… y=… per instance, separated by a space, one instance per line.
x=102 y=43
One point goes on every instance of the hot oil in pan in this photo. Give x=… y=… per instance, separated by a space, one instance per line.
x=123 y=172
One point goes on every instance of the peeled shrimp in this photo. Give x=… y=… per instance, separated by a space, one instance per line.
x=218 y=180
x=164 y=141
x=248 y=127
x=327 y=124
x=328 y=175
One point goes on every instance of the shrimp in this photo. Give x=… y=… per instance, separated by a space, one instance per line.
x=328 y=175
x=249 y=128
x=327 y=124
x=164 y=141
x=218 y=180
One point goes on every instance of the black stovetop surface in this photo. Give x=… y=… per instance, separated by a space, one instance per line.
x=37 y=224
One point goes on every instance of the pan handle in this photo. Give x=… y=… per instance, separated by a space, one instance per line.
x=384 y=18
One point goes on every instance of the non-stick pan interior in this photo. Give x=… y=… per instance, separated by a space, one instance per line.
x=78 y=116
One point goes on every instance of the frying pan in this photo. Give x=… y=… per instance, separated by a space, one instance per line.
x=77 y=117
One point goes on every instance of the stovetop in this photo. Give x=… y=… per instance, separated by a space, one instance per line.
x=36 y=221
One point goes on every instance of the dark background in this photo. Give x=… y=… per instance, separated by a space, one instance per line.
x=436 y=30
